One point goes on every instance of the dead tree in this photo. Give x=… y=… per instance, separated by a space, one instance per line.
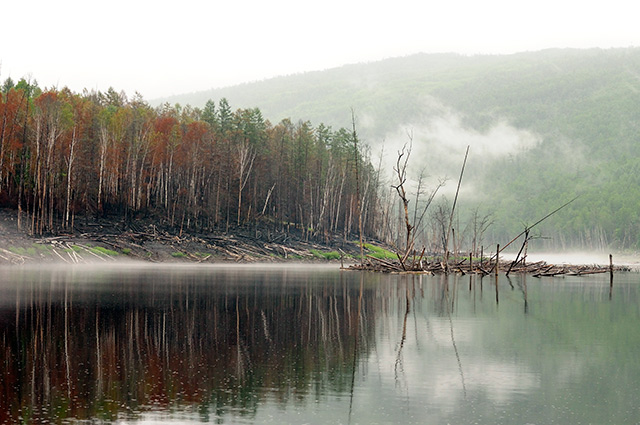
x=401 y=172
x=479 y=225
x=246 y=156
x=359 y=201
x=419 y=219
x=527 y=229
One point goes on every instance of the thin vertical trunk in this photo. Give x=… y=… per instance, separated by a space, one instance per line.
x=359 y=209
x=2 y=138
x=104 y=140
x=246 y=156
x=69 y=173
x=453 y=209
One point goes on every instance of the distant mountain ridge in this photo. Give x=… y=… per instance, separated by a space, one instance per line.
x=569 y=118
x=398 y=84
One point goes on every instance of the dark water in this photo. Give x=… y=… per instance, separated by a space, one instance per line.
x=125 y=344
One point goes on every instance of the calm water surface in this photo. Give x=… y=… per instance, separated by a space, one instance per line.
x=309 y=344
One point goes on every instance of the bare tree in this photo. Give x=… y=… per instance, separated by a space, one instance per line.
x=440 y=218
x=359 y=201
x=418 y=219
x=401 y=173
x=246 y=156
x=479 y=225
x=70 y=161
x=418 y=213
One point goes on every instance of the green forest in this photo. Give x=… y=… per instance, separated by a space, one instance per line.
x=583 y=106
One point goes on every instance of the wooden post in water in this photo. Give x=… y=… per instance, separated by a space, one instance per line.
x=610 y=275
x=470 y=268
x=497 y=268
x=611 y=265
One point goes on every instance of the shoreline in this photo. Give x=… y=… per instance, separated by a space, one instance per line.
x=107 y=240
x=146 y=243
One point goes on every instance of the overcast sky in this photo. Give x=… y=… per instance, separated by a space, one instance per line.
x=162 y=48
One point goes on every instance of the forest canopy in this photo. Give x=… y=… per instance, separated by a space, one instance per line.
x=65 y=155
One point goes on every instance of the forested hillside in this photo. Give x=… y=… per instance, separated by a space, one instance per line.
x=543 y=128
x=66 y=156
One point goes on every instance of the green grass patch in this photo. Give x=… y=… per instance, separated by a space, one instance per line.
x=178 y=254
x=331 y=255
x=30 y=251
x=18 y=250
x=378 y=252
x=104 y=251
x=126 y=251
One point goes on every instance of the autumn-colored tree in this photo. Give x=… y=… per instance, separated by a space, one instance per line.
x=64 y=154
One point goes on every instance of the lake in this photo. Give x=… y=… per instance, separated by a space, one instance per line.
x=260 y=344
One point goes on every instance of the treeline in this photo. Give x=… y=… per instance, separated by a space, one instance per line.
x=65 y=155
x=582 y=103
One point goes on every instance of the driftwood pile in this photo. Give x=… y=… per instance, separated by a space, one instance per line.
x=209 y=247
x=150 y=243
x=484 y=267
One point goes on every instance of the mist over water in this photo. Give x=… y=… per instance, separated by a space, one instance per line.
x=579 y=258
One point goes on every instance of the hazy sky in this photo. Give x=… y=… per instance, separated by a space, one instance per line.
x=160 y=48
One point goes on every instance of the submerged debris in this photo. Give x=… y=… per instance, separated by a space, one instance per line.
x=484 y=267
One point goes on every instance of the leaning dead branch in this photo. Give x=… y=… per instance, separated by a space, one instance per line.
x=453 y=209
x=528 y=228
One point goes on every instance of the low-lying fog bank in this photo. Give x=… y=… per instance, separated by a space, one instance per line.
x=599 y=258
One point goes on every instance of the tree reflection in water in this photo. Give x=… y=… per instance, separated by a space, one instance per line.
x=287 y=345
x=218 y=343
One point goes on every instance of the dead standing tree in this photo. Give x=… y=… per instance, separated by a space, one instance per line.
x=401 y=172
x=359 y=202
x=478 y=226
x=418 y=220
x=246 y=156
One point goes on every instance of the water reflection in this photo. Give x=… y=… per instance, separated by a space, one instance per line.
x=317 y=345
x=77 y=348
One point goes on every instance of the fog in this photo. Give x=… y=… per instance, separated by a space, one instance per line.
x=438 y=144
x=164 y=49
x=579 y=258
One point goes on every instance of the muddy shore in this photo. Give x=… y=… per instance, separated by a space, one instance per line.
x=106 y=240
